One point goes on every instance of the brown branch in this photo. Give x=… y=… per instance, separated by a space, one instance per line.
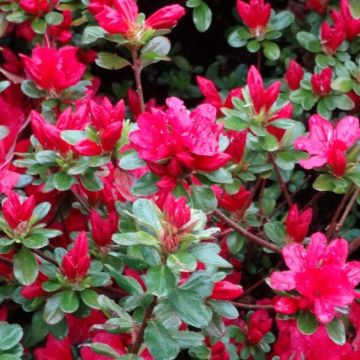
x=140 y=335
x=247 y=234
x=333 y=223
x=45 y=257
x=282 y=184
x=252 y=306
x=137 y=73
x=354 y=245
x=6 y=261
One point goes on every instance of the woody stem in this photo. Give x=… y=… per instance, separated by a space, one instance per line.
x=252 y=306
x=140 y=335
x=137 y=72
x=333 y=223
x=281 y=180
x=245 y=233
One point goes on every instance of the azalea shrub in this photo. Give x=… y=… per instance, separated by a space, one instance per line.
x=179 y=180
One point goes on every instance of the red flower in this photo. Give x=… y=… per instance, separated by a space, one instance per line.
x=225 y=290
x=182 y=140
x=284 y=113
x=286 y=305
x=262 y=99
x=96 y=6
x=62 y=32
x=76 y=262
x=176 y=211
x=114 y=341
x=237 y=145
x=35 y=289
x=320 y=275
x=351 y=25
x=321 y=83
x=54 y=349
x=236 y=201
x=332 y=37
x=255 y=15
x=297 y=224
x=219 y=352
x=259 y=325
x=319 y=6
x=294 y=74
x=121 y=19
x=16 y=212
x=54 y=70
x=37 y=7
x=327 y=144
x=165 y=18
x=103 y=229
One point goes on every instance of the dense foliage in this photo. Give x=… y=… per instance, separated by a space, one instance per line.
x=193 y=200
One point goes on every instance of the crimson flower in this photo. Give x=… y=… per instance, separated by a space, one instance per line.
x=35 y=289
x=258 y=326
x=321 y=83
x=237 y=144
x=297 y=224
x=255 y=15
x=327 y=144
x=62 y=32
x=122 y=17
x=226 y=290
x=37 y=7
x=320 y=275
x=319 y=6
x=212 y=95
x=54 y=349
x=103 y=229
x=219 y=352
x=175 y=142
x=294 y=74
x=76 y=262
x=236 y=202
x=16 y=212
x=54 y=70
x=332 y=37
x=351 y=25
x=176 y=211
x=262 y=98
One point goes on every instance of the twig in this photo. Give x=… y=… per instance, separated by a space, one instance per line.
x=45 y=257
x=281 y=180
x=354 y=245
x=246 y=233
x=6 y=261
x=82 y=202
x=252 y=306
x=332 y=226
x=137 y=72
x=140 y=335
x=347 y=211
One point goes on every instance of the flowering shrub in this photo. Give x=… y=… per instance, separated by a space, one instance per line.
x=179 y=211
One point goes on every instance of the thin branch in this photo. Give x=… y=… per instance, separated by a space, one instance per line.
x=332 y=226
x=45 y=257
x=281 y=180
x=82 y=202
x=247 y=234
x=137 y=73
x=252 y=306
x=140 y=335
x=354 y=245
x=6 y=261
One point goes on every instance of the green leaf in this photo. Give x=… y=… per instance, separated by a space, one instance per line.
x=147 y=212
x=91 y=182
x=89 y=298
x=36 y=241
x=309 y=41
x=4 y=132
x=181 y=261
x=336 y=331
x=269 y=142
x=111 y=61
x=281 y=20
x=39 y=26
x=199 y=282
x=224 y=308
x=146 y=185
x=91 y=34
x=52 y=312
x=69 y=302
x=62 y=181
x=135 y=238
x=46 y=157
x=355 y=8
x=343 y=102
x=271 y=50
x=17 y=17
x=203 y=198
x=29 y=88
x=159 y=341
x=54 y=18
x=238 y=37
x=324 y=182
x=220 y=176
x=73 y=136
x=155 y=50
x=190 y=307
x=253 y=46
x=4 y=84
x=25 y=266
x=207 y=253
x=202 y=17
x=307 y=323
x=41 y=210
x=10 y=335
x=131 y=161
x=187 y=339
x=103 y=349
x=343 y=84
x=275 y=231
x=160 y=280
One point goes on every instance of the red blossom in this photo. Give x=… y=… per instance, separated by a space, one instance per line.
x=54 y=349
x=103 y=229
x=351 y=25
x=321 y=83
x=219 y=352
x=225 y=290
x=297 y=224
x=319 y=6
x=294 y=74
x=37 y=7
x=165 y=18
x=332 y=37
